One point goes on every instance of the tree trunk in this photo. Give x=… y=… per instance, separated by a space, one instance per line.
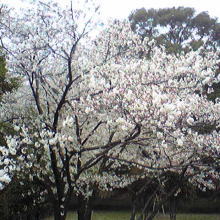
x=84 y=210
x=59 y=213
x=37 y=215
x=172 y=208
x=147 y=203
x=134 y=209
x=5 y=206
x=59 y=216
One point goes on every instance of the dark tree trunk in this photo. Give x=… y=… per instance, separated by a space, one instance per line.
x=172 y=204
x=59 y=216
x=134 y=209
x=147 y=204
x=37 y=215
x=84 y=210
x=59 y=213
x=28 y=216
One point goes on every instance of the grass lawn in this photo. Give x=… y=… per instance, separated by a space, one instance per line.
x=124 y=215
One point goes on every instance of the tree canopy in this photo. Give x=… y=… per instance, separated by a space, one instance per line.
x=177 y=29
x=7 y=83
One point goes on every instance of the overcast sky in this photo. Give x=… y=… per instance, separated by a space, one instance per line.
x=122 y=8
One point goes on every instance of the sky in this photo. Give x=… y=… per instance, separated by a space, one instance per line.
x=122 y=8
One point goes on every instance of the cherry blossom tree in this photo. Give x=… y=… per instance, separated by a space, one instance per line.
x=95 y=108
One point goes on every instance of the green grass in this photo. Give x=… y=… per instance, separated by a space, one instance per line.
x=192 y=217
x=124 y=215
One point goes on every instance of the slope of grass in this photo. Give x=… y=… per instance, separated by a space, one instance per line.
x=125 y=215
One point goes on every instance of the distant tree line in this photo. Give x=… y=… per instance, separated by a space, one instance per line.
x=177 y=29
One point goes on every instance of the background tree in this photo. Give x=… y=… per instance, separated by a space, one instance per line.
x=178 y=29
x=8 y=83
